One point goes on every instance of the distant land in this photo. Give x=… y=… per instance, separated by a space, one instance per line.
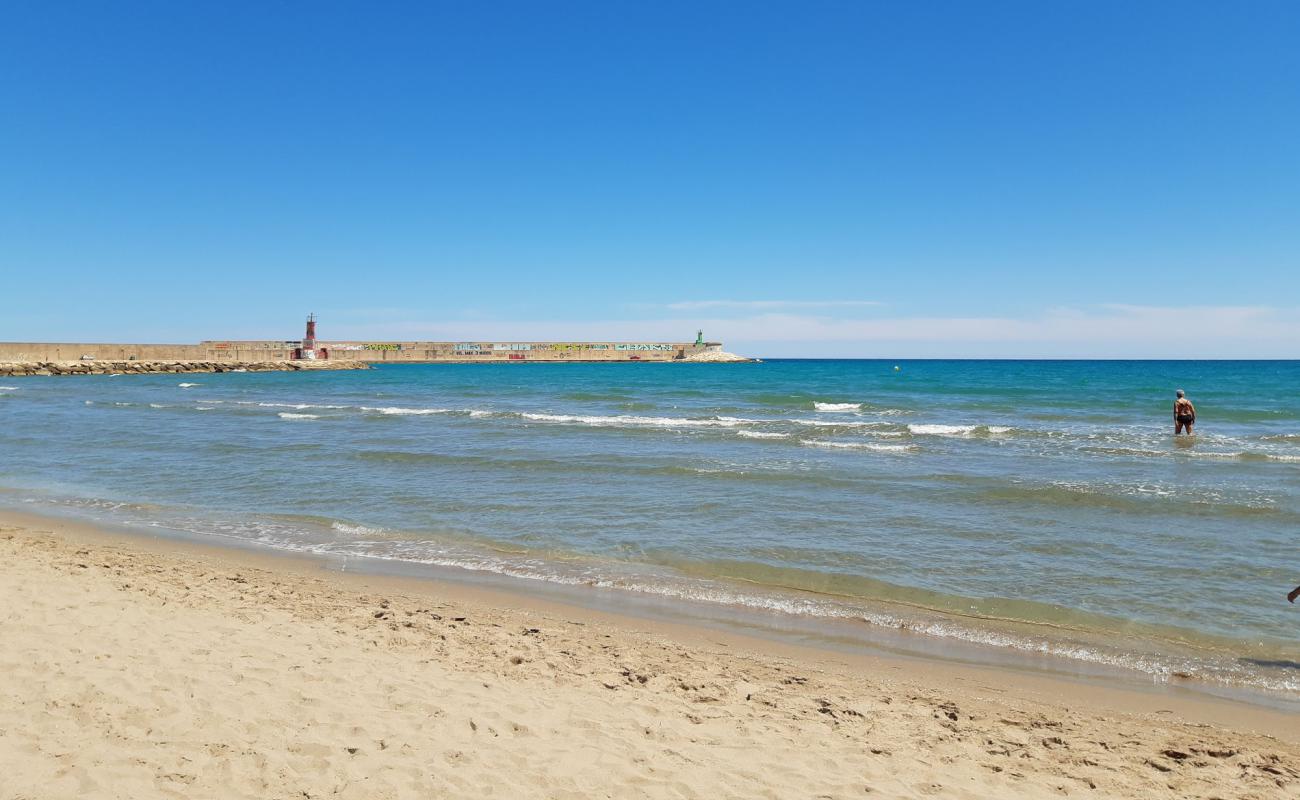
x=312 y=349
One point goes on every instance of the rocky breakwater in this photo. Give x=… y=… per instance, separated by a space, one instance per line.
x=716 y=357
x=25 y=368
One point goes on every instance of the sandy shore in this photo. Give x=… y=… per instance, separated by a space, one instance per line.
x=143 y=668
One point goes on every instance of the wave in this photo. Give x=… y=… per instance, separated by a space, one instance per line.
x=398 y=411
x=839 y=423
x=879 y=448
x=297 y=406
x=188 y=385
x=1280 y=457
x=1280 y=437
x=291 y=415
x=1147 y=498
x=762 y=435
x=8 y=388
x=1215 y=455
x=942 y=430
x=621 y=420
x=837 y=406
x=957 y=430
x=355 y=530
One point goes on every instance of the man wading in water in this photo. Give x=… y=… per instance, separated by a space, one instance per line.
x=1184 y=414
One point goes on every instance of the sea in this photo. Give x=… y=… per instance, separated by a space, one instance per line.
x=1034 y=507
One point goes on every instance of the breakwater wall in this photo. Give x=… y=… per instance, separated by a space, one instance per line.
x=230 y=351
x=33 y=368
x=513 y=351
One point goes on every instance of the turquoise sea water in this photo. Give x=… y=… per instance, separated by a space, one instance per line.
x=1035 y=506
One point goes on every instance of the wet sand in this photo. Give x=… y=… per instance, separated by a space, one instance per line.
x=139 y=667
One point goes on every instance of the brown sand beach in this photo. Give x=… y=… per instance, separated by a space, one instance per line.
x=141 y=668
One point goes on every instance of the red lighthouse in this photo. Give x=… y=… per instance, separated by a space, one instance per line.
x=308 y=348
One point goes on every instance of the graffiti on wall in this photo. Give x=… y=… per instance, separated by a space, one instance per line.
x=643 y=347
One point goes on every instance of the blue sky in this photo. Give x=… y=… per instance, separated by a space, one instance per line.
x=851 y=179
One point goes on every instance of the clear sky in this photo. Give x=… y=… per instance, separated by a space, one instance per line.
x=805 y=178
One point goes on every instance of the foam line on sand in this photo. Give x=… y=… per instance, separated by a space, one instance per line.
x=145 y=668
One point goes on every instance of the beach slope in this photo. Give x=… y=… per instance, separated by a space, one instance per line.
x=134 y=669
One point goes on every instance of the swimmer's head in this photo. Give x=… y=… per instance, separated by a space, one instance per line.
x=1178 y=393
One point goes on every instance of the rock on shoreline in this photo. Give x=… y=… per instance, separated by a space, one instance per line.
x=716 y=357
x=23 y=369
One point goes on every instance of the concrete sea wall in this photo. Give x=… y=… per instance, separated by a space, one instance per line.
x=512 y=351
x=339 y=351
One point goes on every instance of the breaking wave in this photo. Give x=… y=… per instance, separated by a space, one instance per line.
x=620 y=420
x=355 y=530
x=762 y=435
x=397 y=411
x=837 y=406
x=879 y=448
x=297 y=406
x=957 y=430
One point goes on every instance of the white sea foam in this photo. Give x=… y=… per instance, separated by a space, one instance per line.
x=762 y=435
x=622 y=420
x=397 y=411
x=203 y=408
x=479 y=413
x=296 y=406
x=157 y=405
x=879 y=448
x=291 y=415
x=188 y=385
x=937 y=624
x=8 y=388
x=941 y=430
x=355 y=530
x=838 y=406
x=840 y=423
x=1159 y=666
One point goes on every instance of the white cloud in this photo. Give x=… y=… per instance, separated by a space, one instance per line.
x=767 y=305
